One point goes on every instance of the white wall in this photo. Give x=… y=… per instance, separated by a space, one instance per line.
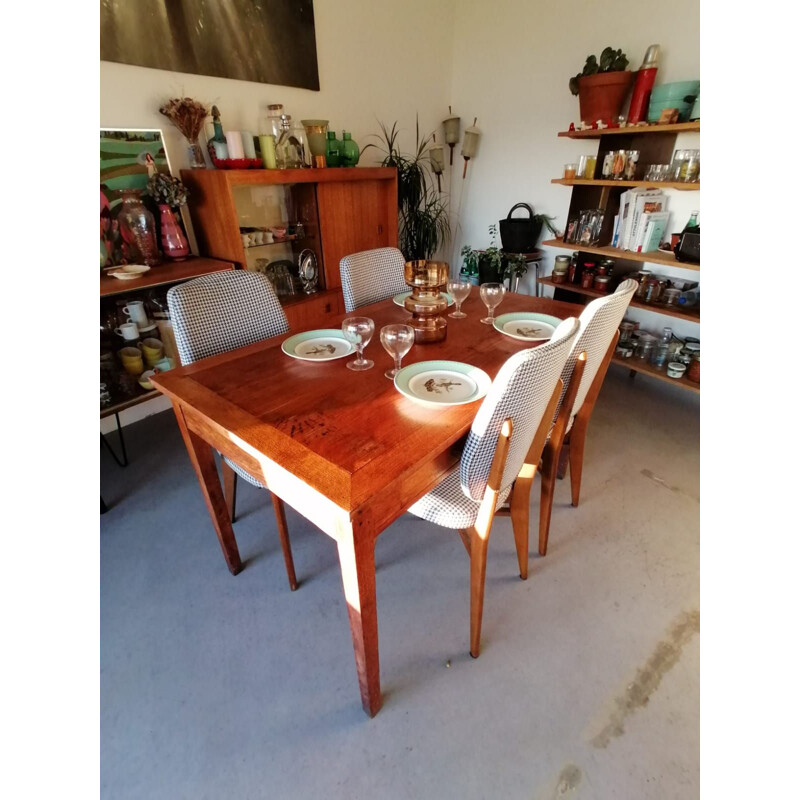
x=385 y=60
x=512 y=61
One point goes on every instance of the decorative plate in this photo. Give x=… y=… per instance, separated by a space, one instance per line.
x=399 y=298
x=442 y=383
x=325 y=344
x=128 y=272
x=527 y=326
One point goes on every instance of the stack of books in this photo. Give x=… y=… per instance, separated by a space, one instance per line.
x=642 y=220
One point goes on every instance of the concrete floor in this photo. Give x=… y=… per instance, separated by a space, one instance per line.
x=588 y=681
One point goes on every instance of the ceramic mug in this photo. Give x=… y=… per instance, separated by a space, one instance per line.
x=163 y=365
x=153 y=350
x=129 y=331
x=135 y=310
x=132 y=360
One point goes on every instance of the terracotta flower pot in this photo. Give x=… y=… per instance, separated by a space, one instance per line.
x=601 y=96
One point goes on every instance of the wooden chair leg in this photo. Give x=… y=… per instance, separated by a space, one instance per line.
x=520 y=517
x=577 y=443
x=563 y=460
x=479 y=545
x=548 y=473
x=464 y=534
x=286 y=545
x=229 y=488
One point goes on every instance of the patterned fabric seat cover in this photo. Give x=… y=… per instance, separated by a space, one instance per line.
x=521 y=392
x=224 y=311
x=599 y=320
x=372 y=275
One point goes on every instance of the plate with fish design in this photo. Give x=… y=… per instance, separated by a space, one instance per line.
x=325 y=344
x=527 y=326
x=442 y=383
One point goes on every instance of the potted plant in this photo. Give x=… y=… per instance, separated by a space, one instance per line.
x=424 y=225
x=602 y=85
x=169 y=193
x=492 y=265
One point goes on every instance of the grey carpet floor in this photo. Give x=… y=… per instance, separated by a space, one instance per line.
x=214 y=686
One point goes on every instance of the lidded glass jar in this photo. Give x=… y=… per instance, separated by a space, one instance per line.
x=272 y=125
x=137 y=227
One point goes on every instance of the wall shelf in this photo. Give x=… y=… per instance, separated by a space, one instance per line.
x=168 y=272
x=637 y=365
x=653 y=257
x=691 y=314
x=634 y=130
x=679 y=185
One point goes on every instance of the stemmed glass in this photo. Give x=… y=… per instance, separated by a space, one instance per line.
x=492 y=296
x=460 y=291
x=397 y=341
x=358 y=331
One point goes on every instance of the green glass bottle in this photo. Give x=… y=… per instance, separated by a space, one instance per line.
x=350 y=151
x=218 y=146
x=333 y=151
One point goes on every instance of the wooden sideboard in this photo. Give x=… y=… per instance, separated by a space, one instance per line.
x=343 y=211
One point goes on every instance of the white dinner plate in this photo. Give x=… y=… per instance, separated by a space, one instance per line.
x=400 y=298
x=325 y=344
x=527 y=326
x=442 y=383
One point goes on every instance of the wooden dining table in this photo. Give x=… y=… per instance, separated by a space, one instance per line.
x=345 y=449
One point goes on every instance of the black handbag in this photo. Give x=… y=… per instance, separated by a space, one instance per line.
x=520 y=235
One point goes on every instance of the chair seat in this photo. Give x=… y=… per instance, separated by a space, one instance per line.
x=448 y=506
x=243 y=473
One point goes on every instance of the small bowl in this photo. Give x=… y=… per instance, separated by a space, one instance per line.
x=144 y=379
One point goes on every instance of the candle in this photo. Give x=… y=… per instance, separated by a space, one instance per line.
x=248 y=145
x=235 y=147
x=267 y=143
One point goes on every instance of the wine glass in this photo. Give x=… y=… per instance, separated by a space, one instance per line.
x=358 y=331
x=460 y=291
x=397 y=341
x=492 y=296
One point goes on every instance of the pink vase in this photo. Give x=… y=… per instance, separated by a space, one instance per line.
x=173 y=242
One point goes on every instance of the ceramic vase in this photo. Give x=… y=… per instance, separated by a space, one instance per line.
x=173 y=242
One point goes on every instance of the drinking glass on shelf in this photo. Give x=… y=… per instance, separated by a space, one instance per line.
x=460 y=291
x=492 y=296
x=396 y=340
x=358 y=331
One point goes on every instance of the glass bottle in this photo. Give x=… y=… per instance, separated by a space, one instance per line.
x=286 y=151
x=660 y=352
x=217 y=145
x=692 y=223
x=350 y=151
x=333 y=151
x=137 y=226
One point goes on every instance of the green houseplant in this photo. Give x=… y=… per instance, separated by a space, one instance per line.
x=492 y=265
x=424 y=224
x=602 y=85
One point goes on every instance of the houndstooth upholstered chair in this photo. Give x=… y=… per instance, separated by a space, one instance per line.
x=217 y=313
x=599 y=324
x=372 y=275
x=508 y=433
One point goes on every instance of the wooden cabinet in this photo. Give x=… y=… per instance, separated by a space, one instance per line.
x=343 y=211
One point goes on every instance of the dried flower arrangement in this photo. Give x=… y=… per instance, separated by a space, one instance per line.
x=186 y=115
x=167 y=190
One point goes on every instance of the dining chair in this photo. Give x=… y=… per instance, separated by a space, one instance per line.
x=597 y=339
x=372 y=275
x=506 y=437
x=216 y=313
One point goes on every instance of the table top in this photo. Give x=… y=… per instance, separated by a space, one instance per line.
x=344 y=432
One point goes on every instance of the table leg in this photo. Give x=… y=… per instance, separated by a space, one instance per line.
x=202 y=458
x=357 y=560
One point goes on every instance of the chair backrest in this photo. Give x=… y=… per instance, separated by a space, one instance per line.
x=520 y=392
x=599 y=321
x=372 y=275
x=220 y=312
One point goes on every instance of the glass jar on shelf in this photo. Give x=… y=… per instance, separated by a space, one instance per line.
x=644 y=346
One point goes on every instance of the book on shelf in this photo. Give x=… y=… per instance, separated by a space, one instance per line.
x=633 y=204
x=651 y=231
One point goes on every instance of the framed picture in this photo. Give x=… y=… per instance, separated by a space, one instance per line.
x=125 y=156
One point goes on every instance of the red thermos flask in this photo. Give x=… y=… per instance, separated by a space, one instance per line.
x=645 y=78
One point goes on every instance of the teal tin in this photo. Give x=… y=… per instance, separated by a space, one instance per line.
x=681 y=95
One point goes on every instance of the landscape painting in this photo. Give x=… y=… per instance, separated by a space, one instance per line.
x=124 y=159
x=266 y=41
